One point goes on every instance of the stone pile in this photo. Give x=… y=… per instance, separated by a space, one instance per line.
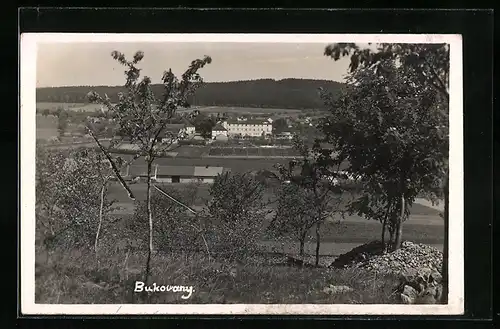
x=372 y=256
x=407 y=259
x=421 y=286
x=418 y=267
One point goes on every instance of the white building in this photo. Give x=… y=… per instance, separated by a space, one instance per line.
x=219 y=132
x=252 y=128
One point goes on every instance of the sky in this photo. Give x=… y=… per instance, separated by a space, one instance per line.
x=77 y=64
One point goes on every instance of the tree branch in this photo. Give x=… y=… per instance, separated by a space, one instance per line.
x=175 y=200
x=113 y=165
x=442 y=87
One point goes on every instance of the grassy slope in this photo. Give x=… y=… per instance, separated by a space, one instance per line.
x=73 y=277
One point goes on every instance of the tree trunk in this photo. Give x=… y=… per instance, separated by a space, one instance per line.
x=318 y=242
x=103 y=191
x=384 y=223
x=150 y=217
x=399 y=225
x=444 y=269
x=302 y=243
x=391 y=234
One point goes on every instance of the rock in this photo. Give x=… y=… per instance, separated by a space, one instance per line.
x=409 y=295
x=92 y=285
x=428 y=296
x=436 y=276
x=333 y=290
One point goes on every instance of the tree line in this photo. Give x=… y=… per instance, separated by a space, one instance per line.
x=262 y=93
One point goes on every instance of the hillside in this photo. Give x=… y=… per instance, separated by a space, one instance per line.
x=265 y=93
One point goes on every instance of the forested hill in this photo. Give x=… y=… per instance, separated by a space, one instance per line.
x=268 y=93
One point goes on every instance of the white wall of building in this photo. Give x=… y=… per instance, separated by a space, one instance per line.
x=164 y=180
x=248 y=129
x=187 y=180
x=216 y=133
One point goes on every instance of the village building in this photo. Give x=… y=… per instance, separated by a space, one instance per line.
x=176 y=174
x=284 y=135
x=189 y=128
x=248 y=127
x=185 y=174
x=219 y=132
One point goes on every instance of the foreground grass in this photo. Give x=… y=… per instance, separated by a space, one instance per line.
x=74 y=277
x=362 y=232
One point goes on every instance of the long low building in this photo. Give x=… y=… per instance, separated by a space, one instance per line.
x=177 y=174
x=253 y=128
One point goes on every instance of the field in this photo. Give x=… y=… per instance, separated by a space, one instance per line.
x=68 y=106
x=192 y=151
x=244 y=110
x=423 y=226
x=253 y=151
x=46 y=127
x=204 y=109
x=234 y=164
x=216 y=151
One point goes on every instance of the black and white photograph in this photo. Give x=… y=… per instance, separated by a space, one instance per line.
x=241 y=174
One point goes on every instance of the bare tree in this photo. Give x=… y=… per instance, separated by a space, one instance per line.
x=236 y=214
x=310 y=175
x=294 y=215
x=67 y=196
x=142 y=116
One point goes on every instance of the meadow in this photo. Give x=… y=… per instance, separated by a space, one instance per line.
x=424 y=225
x=85 y=107
x=245 y=110
x=253 y=151
x=46 y=127
x=73 y=277
x=240 y=165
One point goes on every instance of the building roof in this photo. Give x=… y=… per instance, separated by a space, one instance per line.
x=187 y=123
x=175 y=171
x=171 y=130
x=190 y=125
x=174 y=126
x=207 y=171
x=219 y=127
x=139 y=170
